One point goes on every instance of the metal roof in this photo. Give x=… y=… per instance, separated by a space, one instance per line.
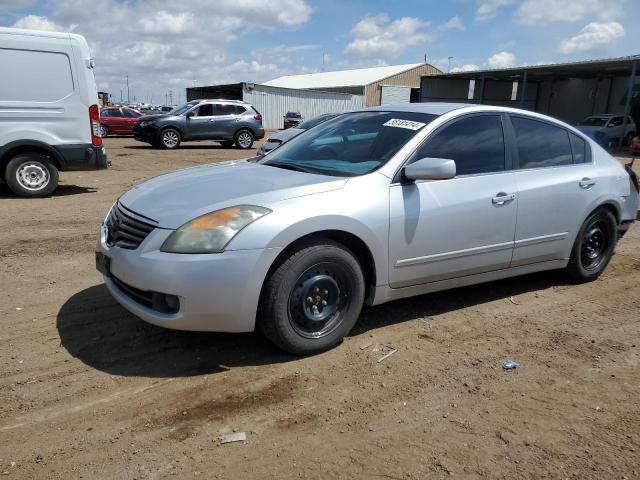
x=603 y=66
x=343 y=78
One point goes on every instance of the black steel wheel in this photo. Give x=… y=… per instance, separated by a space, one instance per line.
x=594 y=246
x=312 y=299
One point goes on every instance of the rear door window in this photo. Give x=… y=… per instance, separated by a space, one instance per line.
x=541 y=144
x=130 y=113
x=579 y=147
x=475 y=143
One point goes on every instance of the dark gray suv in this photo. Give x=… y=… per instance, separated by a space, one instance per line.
x=228 y=121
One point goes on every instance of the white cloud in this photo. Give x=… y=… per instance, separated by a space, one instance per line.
x=454 y=23
x=36 y=22
x=488 y=9
x=592 y=37
x=380 y=38
x=162 y=47
x=469 y=67
x=541 y=11
x=502 y=60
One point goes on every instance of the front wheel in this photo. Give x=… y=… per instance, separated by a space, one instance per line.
x=593 y=247
x=170 y=139
x=31 y=175
x=313 y=299
x=244 y=139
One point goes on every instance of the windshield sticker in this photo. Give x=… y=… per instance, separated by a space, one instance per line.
x=399 y=123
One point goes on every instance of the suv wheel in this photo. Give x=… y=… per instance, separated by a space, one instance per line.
x=313 y=299
x=31 y=175
x=244 y=139
x=170 y=138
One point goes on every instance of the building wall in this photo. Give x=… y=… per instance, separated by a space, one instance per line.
x=274 y=102
x=410 y=78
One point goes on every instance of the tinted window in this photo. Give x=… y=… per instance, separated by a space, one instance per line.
x=351 y=144
x=105 y=113
x=475 y=143
x=541 y=144
x=130 y=113
x=225 y=109
x=113 y=112
x=579 y=147
x=205 y=110
x=240 y=109
x=615 y=122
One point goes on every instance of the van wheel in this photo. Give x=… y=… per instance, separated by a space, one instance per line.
x=170 y=138
x=244 y=139
x=104 y=131
x=313 y=299
x=593 y=247
x=31 y=175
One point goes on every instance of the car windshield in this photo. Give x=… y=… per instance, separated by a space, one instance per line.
x=594 y=121
x=316 y=121
x=180 y=110
x=349 y=145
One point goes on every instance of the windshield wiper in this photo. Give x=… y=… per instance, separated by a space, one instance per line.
x=291 y=166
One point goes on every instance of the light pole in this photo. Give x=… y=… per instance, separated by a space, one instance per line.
x=170 y=98
x=450 y=58
x=128 y=99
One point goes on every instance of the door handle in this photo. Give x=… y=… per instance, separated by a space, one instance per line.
x=587 y=182
x=503 y=198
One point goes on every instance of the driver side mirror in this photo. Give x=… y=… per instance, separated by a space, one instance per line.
x=430 y=169
x=190 y=114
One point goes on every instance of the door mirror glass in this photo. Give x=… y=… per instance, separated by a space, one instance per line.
x=431 y=169
x=190 y=114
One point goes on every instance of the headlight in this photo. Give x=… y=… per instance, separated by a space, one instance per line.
x=212 y=232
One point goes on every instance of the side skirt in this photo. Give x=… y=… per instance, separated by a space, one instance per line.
x=384 y=293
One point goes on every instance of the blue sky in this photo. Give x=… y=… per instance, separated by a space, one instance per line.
x=166 y=45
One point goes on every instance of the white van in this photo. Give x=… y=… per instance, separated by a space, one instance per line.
x=49 y=115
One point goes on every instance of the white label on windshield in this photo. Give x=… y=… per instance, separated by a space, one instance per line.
x=397 y=122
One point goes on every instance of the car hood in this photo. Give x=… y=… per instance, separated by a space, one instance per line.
x=175 y=198
x=284 y=135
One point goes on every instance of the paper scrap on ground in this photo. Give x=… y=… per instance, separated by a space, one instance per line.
x=233 y=437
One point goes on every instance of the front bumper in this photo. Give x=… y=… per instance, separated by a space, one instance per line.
x=147 y=133
x=217 y=292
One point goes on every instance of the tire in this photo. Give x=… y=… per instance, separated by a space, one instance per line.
x=312 y=299
x=31 y=175
x=593 y=247
x=244 y=139
x=227 y=143
x=104 y=131
x=170 y=139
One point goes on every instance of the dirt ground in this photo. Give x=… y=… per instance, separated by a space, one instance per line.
x=89 y=391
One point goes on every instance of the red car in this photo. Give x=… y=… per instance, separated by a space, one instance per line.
x=118 y=121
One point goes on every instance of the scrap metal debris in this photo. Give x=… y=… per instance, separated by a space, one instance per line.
x=233 y=437
x=513 y=301
x=509 y=364
x=388 y=354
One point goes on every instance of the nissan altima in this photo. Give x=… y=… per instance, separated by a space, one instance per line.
x=371 y=206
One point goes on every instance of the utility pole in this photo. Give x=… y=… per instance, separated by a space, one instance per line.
x=120 y=95
x=128 y=99
x=323 y=55
x=170 y=98
x=450 y=58
x=165 y=98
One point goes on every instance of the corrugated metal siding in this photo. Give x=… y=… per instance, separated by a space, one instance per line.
x=392 y=94
x=410 y=78
x=274 y=102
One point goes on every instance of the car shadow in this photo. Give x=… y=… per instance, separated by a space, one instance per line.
x=187 y=147
x=60 y=191
x=94 y=328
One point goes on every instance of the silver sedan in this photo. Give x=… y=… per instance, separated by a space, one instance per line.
x=368 y=207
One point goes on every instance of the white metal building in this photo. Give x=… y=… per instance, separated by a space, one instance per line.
x=274 y=102
x=378 y=85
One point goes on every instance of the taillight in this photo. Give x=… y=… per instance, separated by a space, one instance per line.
x=94 y=120
x=258 y=116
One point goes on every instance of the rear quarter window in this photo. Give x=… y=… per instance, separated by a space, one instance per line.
x=579 y=147
x=34 y=76
x=541 y=144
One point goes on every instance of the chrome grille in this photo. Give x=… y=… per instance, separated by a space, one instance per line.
x=126 y=228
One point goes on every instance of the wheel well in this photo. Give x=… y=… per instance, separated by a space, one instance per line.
x=349 y=240
x=20 y=149
x=613 y=209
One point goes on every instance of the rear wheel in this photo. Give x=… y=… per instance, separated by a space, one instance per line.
x=104 y=131
x=31 y=175
x=313 y=299
x=244 y=139
x=170 y=138
x=593 y=247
